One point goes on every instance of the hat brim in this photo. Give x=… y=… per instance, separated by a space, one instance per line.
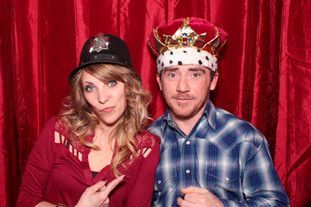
x=86 y=64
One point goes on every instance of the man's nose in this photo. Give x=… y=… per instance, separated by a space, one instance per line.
x=183 y=85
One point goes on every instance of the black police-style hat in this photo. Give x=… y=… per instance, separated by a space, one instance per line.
x=103 y=48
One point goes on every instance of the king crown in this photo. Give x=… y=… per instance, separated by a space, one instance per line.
x=185 y=36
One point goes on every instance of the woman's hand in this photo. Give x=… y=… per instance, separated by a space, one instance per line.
x=97 y=194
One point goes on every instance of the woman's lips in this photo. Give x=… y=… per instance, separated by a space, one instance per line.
x=107 y=110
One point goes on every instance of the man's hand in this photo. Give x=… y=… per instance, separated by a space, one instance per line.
x=198 y=197
x=97 y=194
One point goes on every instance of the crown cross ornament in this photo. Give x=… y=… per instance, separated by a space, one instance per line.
x=99 y=43
x=186 y=36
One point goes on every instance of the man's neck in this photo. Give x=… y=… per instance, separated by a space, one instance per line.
x=187 y=124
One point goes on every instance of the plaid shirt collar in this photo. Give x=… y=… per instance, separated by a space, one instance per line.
x=209 y=113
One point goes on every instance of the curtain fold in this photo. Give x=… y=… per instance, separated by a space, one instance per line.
x=264 y=73
x=293 y=137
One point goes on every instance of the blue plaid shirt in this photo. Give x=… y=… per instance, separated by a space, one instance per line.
x=223 y=154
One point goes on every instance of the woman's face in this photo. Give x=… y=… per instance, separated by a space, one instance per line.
x=107 y=99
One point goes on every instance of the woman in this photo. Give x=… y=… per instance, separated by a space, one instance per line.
x=95 y=153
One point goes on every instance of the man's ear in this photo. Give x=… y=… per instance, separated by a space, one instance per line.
x=214 y=81
x=159 y=81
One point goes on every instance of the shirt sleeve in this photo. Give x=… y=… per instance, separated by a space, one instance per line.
x=38 y=167
x=261 y=184
x=142 y=193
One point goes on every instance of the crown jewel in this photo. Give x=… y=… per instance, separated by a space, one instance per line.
x=184 y=36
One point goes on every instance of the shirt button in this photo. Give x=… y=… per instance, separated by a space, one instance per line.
x=187 y=171
x=159 y=181
x=227 y=179
x=187 y=142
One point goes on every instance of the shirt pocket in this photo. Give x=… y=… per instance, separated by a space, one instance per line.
x=223 y=177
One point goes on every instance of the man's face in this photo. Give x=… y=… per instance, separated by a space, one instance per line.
x=186 y=89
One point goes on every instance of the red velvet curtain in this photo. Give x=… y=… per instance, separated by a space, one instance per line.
x=264 y=75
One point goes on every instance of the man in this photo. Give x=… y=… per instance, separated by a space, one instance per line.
x=209 y=157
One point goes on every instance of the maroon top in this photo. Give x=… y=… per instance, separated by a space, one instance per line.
x=58 y=171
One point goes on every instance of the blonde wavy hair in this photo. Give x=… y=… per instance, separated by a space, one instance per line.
x=77 y=114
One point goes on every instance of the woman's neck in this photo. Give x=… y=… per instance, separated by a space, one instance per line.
x=103 y=136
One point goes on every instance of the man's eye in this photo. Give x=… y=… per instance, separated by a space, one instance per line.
x=171 y=75
x=111 y=83
x=88 y=88
x=195 y=75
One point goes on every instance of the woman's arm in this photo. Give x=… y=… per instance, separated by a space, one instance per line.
x=45 y=204
x=38 y=168
x=142 y=193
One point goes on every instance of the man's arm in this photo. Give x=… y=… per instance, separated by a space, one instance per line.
x=260 y=183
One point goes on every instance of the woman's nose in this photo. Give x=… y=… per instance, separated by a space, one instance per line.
x=103 y=98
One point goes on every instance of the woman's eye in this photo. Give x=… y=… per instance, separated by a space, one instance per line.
x=112 y=83
x=88 y=88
